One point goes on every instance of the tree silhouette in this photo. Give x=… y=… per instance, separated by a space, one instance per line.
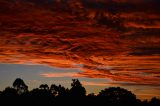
x=9 y=96
x=154 y=102
x=59 y=95
x=91 y=95
x=58 y=90
x=44 y=87
x=117 y=95
x=77 y=89
x=62 y=91
x=20 y=86
x=9 y=92
x=54 y=89
x=41 y=97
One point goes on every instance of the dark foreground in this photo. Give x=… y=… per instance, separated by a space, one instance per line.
x=59 y=95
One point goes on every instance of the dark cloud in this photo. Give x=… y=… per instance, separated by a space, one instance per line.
x=153 y=50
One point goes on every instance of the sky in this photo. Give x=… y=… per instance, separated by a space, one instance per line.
x=101 y=42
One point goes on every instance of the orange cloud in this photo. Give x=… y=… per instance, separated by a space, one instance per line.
x=66 y=74
x=95 y=83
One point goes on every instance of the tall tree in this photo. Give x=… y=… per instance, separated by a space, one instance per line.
x=20 y=86
x=77 y=88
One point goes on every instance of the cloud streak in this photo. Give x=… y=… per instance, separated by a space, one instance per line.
x=53 y=75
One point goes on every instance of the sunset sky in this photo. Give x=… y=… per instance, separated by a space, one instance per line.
x=103 y=43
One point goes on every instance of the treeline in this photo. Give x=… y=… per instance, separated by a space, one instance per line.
x=55 y=95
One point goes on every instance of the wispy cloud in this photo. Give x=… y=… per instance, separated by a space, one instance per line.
x=53 y=75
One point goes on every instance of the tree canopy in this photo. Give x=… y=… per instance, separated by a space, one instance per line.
x=59 y=95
